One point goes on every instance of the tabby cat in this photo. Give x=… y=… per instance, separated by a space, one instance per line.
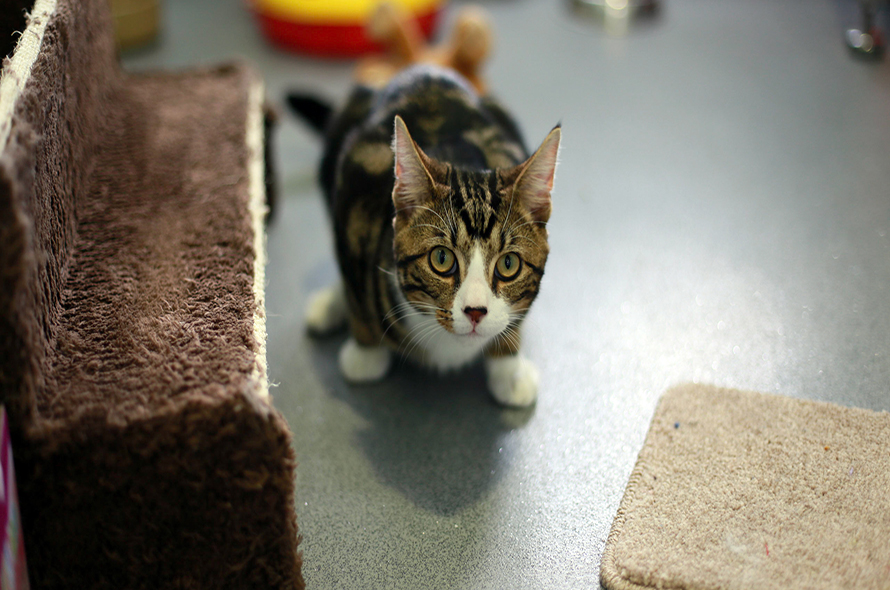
x=440 y=227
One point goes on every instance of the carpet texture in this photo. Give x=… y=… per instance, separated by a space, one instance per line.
x=132 y=326
x=736 y=489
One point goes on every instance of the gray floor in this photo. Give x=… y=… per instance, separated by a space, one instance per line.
x=721 y=215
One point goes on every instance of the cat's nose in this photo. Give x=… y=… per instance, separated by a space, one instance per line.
x=475 y=313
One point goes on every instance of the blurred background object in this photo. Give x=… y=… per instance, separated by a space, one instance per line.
x=616 y=15
x=465 y=51
x=334 y=28
x=868 y=40
x=136 y=22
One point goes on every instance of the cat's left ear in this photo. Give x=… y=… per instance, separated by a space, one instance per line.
x=413 y=182
x=535 y=180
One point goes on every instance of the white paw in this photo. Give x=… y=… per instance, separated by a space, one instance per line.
x=326 y=311
x=512 y=380
x=363 y=364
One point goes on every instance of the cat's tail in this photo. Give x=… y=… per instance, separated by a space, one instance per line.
x=315 y=112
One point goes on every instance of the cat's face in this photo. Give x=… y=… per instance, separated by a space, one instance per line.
x=470 y=247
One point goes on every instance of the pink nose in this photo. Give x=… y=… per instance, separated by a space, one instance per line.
x=475 y=314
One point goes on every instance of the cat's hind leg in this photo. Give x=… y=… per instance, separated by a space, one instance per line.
x=363 y=364
x=327 y=311
x=512 y=380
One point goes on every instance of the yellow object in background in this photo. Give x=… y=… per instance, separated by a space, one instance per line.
x=336 y=11
x=136 y=22
x=335 y=28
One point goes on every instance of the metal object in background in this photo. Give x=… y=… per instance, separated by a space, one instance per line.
x=869 y=40
x=616 y=15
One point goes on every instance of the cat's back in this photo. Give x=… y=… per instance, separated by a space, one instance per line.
x=434 y=102
x=446 y=117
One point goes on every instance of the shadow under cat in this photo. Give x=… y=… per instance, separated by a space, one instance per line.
x=437 y=439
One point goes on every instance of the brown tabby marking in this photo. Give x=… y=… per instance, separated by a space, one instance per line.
x=464 y=182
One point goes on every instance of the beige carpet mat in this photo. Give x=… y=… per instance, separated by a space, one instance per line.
x=745 y=490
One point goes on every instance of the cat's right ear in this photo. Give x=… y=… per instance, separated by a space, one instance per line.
x=413 y=182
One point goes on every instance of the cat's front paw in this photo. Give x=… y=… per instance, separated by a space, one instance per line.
x=512 y=380
x=363 y=364
x=326 y=311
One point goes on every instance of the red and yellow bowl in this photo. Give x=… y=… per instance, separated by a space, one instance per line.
x=333 y=28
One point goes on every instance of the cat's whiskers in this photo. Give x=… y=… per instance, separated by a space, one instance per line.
x=420 y=225
x=428 y=343
x=513 y=229
x=509 y=224
x=414 y=314
x=424 y=208
x=409 y=305
x=511 y=336
x=510 y=209
x=535 y=242
x=407 y=309
x=514 y=316
x=453 y=216
x=501 y=340
x=418 y=334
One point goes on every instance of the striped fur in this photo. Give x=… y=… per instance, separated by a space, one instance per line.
x=461 y=179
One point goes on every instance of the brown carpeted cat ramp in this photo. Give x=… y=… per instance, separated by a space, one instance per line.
x=743 y=490
x=131 y=317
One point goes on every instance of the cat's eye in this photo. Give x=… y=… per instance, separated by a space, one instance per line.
x=508 y=266
x=442 y=260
